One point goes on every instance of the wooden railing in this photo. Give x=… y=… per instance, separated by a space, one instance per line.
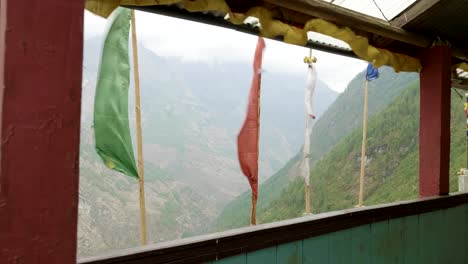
x=428 y=225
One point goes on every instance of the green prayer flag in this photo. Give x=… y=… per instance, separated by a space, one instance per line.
x=111 y=122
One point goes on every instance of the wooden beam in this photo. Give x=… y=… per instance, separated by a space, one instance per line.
x=353 y=20
x=460 y=84
x=434 y=125
x=461 y=54
x=414 y=12
x=40 y=80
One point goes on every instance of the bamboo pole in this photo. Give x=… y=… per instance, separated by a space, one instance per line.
x=306 y=159
x=363 y=147
x=466 y=126
x=253 y=211
x=141 y=171
x=307 y=198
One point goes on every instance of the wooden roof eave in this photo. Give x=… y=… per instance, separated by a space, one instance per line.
x=375 y=27
x=356 y=21
x=174 y=11
x=415 y=11
x=380 y=33
x=460 y=83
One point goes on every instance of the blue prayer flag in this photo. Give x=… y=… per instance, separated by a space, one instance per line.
x=372 y=73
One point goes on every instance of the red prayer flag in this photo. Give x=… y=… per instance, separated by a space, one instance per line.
x=247 y=140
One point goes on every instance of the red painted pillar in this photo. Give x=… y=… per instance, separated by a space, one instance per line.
x=41 y=45
x=434 y=131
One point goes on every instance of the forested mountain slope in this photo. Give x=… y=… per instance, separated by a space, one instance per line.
x=340 y=119
x=391 y=167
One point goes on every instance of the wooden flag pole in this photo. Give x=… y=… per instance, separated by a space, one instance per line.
x=307 y=186
x=363 y=147
x=307 y=198
x=466 y=126
x=141 y=171
x=253 y=211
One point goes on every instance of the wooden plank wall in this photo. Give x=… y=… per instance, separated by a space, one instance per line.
x=435 y=237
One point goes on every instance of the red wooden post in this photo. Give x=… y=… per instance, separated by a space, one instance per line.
x=41 y=44
x=434 y=131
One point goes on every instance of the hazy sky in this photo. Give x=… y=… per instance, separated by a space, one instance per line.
x=170 y=37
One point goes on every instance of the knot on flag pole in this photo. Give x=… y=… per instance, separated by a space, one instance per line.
x=310 y=59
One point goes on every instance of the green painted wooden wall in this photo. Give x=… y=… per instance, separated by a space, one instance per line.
x=436 y=237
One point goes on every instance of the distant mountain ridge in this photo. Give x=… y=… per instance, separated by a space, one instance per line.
x=191 y=114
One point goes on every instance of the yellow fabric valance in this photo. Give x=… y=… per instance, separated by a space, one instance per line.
x=462 y=66
x=271 y=28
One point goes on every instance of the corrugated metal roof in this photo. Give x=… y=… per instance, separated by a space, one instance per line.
x=390 y=8
x=327 y=40
x=313 y=37
x=462 y=74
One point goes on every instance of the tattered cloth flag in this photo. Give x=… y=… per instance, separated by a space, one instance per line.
x=372 y=73
x=309 y=97
x=111 y=122
x=247 y=140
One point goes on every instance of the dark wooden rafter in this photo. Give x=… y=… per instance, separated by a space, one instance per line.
x=460 y=83
x=379 y=32
x=419 y=11
x=415 y=11
x=352 y=19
